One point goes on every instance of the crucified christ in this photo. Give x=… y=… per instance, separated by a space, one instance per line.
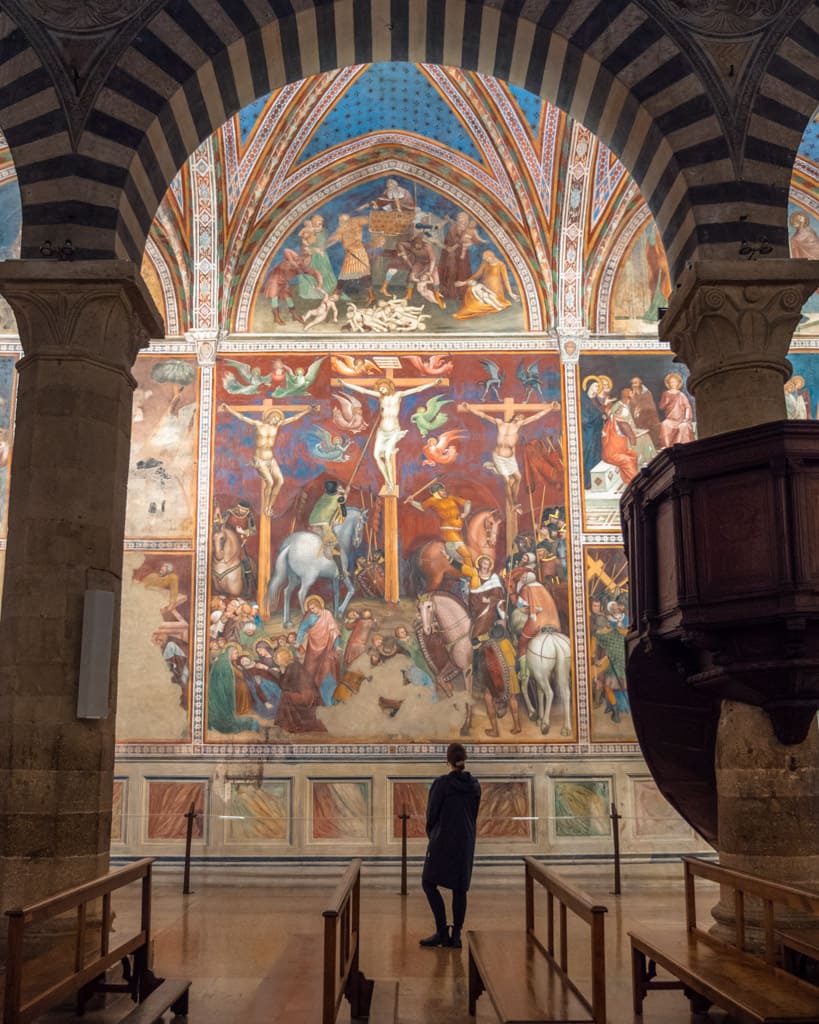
x=504 y=460
x=389 y=431
x=264 y=455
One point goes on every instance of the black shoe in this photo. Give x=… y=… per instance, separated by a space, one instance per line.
x=436 y=939
x=455 y=939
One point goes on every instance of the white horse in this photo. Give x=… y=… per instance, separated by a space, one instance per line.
x=549 y=661
x=443 y=617
x=302 y=560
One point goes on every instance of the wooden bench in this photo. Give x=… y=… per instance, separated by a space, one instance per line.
x=375 y=1001
x=712 y=971
x=304 y=987
x=528 y=981
x=92 y=955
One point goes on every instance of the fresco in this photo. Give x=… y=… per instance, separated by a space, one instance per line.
x=804 y=242
x=642 y=285
x=389 y=549
x=169 y=802
x=154 y=649
x=581 y=807
x=162 y=471
x=802 y=388
x=11 y=222
x=388 y=256
x=631 y=406
x=8 y=381
x=607 y=621
x=342 y=810
x=258 y=811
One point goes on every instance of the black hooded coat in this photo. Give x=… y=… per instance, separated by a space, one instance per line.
x=452 y=811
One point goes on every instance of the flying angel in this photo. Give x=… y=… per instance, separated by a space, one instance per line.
x=430 y=416
x=326 y=447
x=353 y=366
x=252 y=376
x=494 y=381
x=441 y=450
x=433 y=365
x=529 y=376
x=298 y=381
x=348 y=413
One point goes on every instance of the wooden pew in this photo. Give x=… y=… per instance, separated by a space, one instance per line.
x=711 y=971
x=305 y=988
x=92 y=954
x=375 y=1001
x=528 y=981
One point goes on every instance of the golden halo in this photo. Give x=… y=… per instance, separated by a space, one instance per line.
x=589 y=380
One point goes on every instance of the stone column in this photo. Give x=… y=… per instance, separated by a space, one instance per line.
x=81 y=325
x=731 y=323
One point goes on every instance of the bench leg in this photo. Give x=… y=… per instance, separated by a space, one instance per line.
x=638 y=980
x=475 y=985
x=699 y=1004
x=180 y=1007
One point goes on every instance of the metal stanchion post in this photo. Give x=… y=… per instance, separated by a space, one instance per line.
x=404 y=819
x=191 y=817
x=615 y=828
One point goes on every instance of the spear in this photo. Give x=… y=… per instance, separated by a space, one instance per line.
x=361 y=456
x=434 y=480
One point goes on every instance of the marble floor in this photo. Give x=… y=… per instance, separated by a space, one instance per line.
x=228 y=939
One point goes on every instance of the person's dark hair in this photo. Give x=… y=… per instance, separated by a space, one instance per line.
x=456 y=755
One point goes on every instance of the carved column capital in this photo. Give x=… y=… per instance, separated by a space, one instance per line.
x=571 y=341
x=731 y=322
x=95 y=310
x=207 y=341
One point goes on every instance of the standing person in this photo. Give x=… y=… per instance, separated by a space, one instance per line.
x=452 y=813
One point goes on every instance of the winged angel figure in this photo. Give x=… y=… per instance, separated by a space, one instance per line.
x=252 y=376
x=326 y=447
x=297 y=382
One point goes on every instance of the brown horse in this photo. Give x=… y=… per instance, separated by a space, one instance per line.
x=433 y=563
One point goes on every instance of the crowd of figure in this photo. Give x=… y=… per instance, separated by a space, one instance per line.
x=626 y=429
x=258 y=680
x=387 y=245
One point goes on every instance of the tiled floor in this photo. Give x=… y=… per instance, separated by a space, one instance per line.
x=229 y=939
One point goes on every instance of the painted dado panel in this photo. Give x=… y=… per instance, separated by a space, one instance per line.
x=257 y=816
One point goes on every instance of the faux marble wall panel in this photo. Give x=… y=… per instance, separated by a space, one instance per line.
x=581 y=807
x=342 y=810
x=506 y=810
x=654 y=817
x=118 y=804
x=169 y=802
x=258 y=811
x=410 y=797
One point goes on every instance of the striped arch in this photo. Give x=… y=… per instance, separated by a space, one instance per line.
x=531 y=294
x=607 y=63
x=786 y=100
x=171 y=304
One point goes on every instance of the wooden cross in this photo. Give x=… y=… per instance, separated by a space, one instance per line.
x=509 y=407
x=263 y=520
x=392 y=576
